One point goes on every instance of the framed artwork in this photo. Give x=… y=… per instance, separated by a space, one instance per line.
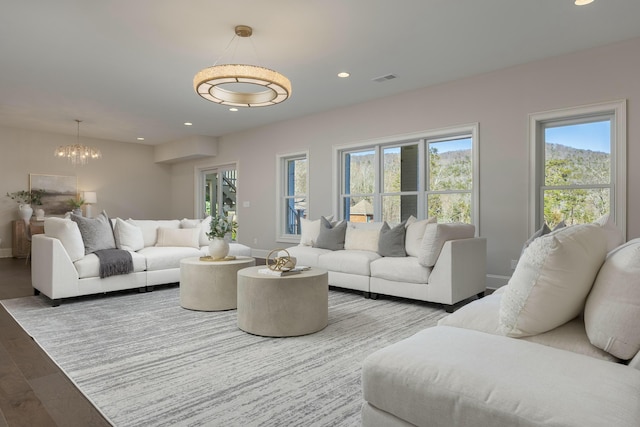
x=57 y=190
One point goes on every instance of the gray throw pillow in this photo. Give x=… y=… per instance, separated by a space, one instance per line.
x=96 y=232
x=391 y=241
x=331 y=237
x=541 y=232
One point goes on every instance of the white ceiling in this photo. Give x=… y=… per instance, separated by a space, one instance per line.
x=126 y=67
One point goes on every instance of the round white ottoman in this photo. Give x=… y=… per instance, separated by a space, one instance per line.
x=210 y=285
x=282 y=306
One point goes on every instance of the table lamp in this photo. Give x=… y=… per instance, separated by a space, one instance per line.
x=89 y=198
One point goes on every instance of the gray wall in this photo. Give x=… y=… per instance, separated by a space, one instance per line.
x=127 y=181
x=130 y=184
x=500 y=101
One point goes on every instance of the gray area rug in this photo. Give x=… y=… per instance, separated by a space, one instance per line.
x=145 y=361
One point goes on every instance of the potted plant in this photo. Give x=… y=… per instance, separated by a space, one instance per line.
x=25 y=199
x=220 y=226
x=76 y=205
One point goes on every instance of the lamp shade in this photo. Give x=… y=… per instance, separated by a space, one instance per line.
x=90 y=197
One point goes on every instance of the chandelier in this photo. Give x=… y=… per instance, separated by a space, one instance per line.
x=214 y=83
x=77 y=153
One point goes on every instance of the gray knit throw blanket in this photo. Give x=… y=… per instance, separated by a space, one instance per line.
x=114 y=261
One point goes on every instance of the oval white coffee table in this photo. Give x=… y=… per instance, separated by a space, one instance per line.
x=210 y=285
x=282 y=306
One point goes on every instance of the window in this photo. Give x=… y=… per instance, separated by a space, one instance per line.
x=450 y=182
x=292 y=195
x=430 y=174
x=578 y=166
x=216 y=191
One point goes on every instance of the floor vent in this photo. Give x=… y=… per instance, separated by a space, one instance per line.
x=384 y=78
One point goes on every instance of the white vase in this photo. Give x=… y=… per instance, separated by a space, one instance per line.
x=25 y=212
x=218 y=248
x=39 y=214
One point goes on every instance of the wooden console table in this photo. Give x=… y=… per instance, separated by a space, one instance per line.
x=20 y=245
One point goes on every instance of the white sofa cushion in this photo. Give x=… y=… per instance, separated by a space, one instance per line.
x=188 y=237
x=435 y=235
x=415 y=233
x=150 y=228
x=69 y=235
x=612 y=312
x=307 y=255
x=400 y=269
x=352 y=262
x=483 y=315
x=89 y=265
x=128 y=235
x=310 y=230
x=552 y=280
x=162 y=258
x=362 y=236
x=445 y=376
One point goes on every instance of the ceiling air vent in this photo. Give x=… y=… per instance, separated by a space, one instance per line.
x=384 y=78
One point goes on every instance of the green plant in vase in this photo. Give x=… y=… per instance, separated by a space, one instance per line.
x=25 y=199
x=76 y=205
x=220 y=226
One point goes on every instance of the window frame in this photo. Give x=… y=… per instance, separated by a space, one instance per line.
x=617 y=112
x=421 y=139
x=282 y=161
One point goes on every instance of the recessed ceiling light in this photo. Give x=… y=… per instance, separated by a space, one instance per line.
x=233 y=109
x=343 y=74
x=582 y=2
x=140 y=138
x=188 y=123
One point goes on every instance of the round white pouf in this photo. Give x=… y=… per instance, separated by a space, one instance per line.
x=282 y=306
x=210 y=285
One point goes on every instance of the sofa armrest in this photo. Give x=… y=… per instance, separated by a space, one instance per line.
x=52 y=271
x=459 y=272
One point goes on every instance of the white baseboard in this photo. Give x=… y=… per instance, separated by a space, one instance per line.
x=495 y=281
x=6 y=253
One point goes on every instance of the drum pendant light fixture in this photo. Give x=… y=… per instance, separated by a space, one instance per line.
x=210 y=82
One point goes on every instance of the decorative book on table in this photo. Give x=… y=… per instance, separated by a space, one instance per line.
x=281 y=273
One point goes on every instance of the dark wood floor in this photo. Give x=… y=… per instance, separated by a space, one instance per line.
x=34 y=392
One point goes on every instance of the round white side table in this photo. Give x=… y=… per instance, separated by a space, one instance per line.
x=284 y=306
x=210 y=285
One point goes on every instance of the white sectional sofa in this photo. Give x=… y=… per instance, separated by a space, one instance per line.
x=558 y=346
x=440 y=263
x=61 y=268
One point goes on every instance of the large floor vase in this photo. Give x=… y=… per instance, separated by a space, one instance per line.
x=218 y=248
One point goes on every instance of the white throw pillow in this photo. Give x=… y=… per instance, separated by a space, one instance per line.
x=150 y=228
x=69 y=235
x=614 y=235
x=190 y=223
x=415 y=233
x=363 y=237
x=205 y=227
x=128 y=235
x=188 y=237
x=612 y=312
x=552 y=280
x=310 y=230
x=435 y=235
